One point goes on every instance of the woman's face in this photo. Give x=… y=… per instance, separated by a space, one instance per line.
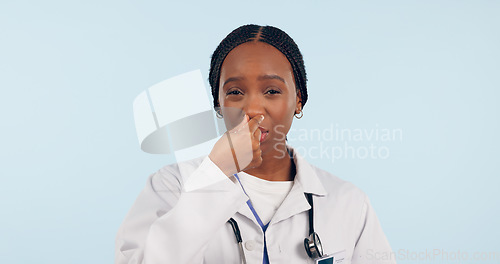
x=257 y=79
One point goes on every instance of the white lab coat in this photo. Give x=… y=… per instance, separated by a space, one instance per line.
x=169 y=225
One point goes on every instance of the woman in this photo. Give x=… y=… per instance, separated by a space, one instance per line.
x=252 y=188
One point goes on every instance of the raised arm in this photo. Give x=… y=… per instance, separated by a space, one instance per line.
x=169 y=225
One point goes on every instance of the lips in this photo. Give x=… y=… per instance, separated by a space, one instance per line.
x=263 y=133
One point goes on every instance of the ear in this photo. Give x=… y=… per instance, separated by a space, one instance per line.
x=298 y=103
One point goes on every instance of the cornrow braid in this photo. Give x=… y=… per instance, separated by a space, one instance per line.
x=267 y=34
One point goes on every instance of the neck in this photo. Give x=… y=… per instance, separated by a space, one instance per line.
x=275 y=167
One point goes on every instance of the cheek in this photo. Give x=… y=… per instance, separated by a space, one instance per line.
x=288 y=108
x=283 y=116
x=232 y=116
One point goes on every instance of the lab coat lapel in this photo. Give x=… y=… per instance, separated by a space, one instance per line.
x=306 y=176
x=294 y=203
x=245 y=211
x=306 y=181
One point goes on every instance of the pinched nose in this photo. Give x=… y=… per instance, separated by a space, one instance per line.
x=254 y=106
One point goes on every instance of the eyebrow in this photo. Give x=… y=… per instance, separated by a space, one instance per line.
x=233 y=79
x=260 y=78
x=270 y=77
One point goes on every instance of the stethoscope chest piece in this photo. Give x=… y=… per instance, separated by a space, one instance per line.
x=313 y=246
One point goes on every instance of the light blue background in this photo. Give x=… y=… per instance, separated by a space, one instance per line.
x=71 y=165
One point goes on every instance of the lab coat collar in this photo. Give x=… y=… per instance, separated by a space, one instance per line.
x=306 y=181
x=306 y=175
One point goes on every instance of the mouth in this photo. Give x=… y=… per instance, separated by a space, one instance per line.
x=263 y=133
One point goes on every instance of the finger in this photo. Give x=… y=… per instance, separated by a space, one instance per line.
x=254 y=123
x=256 y=135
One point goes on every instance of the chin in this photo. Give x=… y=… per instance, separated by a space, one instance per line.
x=274 y=148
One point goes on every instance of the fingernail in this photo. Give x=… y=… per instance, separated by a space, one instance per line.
x=261 y=118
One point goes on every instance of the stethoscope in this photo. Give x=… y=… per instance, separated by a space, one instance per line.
x=312 y=243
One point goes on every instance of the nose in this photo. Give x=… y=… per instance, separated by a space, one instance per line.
x=254 y=106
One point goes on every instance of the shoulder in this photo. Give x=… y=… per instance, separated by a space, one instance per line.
x=343 y=198
x=173 y=176
x=339 y=189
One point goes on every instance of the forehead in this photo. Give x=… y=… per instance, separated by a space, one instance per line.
x=255 y=57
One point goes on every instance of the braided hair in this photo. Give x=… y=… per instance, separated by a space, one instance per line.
x=267 y=34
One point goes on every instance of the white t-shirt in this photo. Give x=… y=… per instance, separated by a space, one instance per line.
x=266 y=196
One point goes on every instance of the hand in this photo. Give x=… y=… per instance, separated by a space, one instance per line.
x=239 y=148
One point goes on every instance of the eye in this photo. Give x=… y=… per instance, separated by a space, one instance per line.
x=273 y=91
x=233 y=92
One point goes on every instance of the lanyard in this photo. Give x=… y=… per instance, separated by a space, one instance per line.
x=312 y=244
x=265 y=259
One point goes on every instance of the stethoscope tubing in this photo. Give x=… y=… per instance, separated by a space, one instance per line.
x=237 y=234
x=312 y=242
